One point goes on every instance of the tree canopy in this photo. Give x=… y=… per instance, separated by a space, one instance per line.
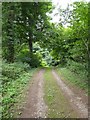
x=27 y=23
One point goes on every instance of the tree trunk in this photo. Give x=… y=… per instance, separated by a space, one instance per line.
x=30 y=36
x=30 y=44
x=10 y=34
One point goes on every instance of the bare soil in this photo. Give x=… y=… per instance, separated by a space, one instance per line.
x=35 y=106
x=76 y=100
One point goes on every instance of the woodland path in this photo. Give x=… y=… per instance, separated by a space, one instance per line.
x=35 y=105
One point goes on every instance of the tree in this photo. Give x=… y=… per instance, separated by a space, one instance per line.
x=76 y=34
x=9 y=32
x=34 y=19
x=25 y=26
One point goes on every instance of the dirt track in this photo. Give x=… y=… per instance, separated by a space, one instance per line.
x=35 y=106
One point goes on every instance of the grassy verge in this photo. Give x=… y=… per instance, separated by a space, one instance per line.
x=12 y=91
x=73 y=78
x=58 y=106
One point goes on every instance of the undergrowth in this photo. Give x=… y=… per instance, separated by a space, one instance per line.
x=75 y=73
x=15 y=76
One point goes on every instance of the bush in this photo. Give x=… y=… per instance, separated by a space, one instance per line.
x=12 y=71
x=14 y=78
x=35 y=61
x=31 y=58
x=44 y=63
x=78 y=68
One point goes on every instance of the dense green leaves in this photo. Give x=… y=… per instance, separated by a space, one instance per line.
x=30 y=24
x=14 y=78
x=26 y=26
x=73 y=41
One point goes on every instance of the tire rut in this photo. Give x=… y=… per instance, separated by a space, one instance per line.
x=35 y=106
x=73 y=99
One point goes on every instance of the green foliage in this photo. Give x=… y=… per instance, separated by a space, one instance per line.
x=33 y=59
x=12 y=71
x=76 y=73
x=80 y=70
x=73 y=78
x=71 y=41
x=15 y=76
x=44 y=55
x=44 y=63
x=27 y=25
x=31 y=26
